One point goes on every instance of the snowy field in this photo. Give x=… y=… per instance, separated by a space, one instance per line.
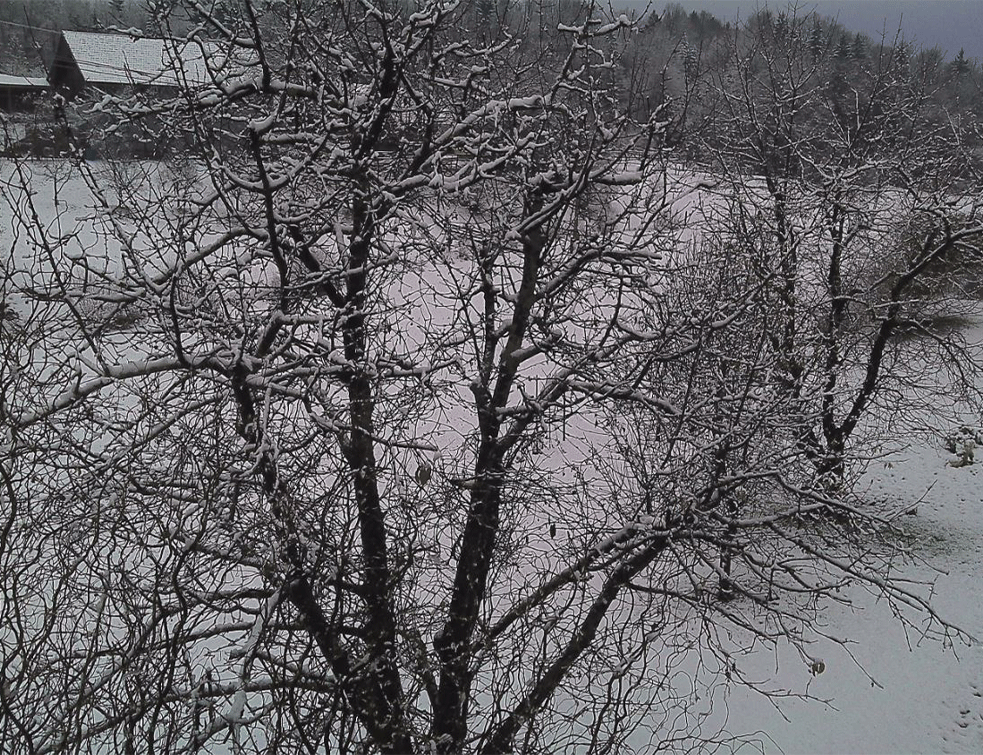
x=885 y=688
x=894 y=692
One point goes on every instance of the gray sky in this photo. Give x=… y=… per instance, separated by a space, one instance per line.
x=948 y=24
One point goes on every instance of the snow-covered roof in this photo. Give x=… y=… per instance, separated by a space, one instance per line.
x=121 y=59
x=25 y=82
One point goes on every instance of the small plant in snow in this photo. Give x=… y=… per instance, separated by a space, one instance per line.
x=963 y=443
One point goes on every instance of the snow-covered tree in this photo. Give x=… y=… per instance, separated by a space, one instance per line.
x=853 y=198
x=399 y=410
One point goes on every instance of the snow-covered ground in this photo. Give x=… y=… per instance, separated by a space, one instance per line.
x=885 y=688
x=890 y=690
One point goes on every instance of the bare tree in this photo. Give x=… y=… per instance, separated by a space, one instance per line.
x=392 y=414
x=848 y=187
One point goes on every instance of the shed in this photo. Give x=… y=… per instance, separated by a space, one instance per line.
x=16 y=92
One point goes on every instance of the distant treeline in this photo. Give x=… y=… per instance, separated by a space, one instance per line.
x=686 y=64
x=673 y=61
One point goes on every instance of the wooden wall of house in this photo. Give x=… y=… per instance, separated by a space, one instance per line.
x=65 y=76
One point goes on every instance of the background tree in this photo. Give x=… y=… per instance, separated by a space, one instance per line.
x=848 y=191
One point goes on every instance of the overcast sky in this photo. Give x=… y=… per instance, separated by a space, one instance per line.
x=948 y=24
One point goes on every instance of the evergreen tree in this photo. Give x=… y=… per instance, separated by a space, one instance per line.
x=816 y=40
x=843 y=48
x=858 y=51
x=960 y=65
x=691 y=61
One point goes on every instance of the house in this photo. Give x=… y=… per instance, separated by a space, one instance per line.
x=91 y=65
x=111 y=63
